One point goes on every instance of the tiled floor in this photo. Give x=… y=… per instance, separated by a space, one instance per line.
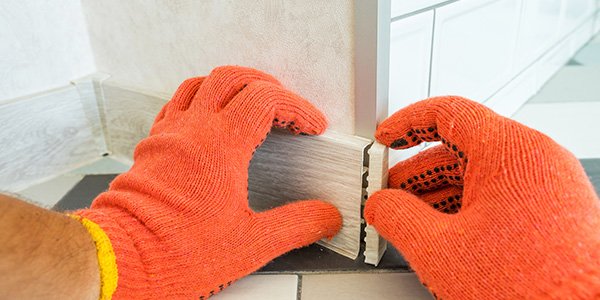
x=566 y=109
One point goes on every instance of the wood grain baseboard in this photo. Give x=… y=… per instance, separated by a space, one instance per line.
x=130 y=114
x=329 y=167
x=377 y=179
x=42 y=136
x=285 y=168
x=91 y=94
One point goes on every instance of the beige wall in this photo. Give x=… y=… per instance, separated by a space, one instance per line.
x=43 y=45
x=155 y=45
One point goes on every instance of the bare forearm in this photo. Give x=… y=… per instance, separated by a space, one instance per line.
x=45 y=254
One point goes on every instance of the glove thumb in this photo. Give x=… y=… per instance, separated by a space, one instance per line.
x=404 y=219
x=295 y=225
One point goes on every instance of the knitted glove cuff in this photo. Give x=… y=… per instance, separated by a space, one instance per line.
x=123 y=275
x=106 y=257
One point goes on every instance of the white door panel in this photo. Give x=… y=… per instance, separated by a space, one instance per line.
x=410 y=50
x=597 y=21
x=575 y=12
x=473 y=48
x=582 y=35
x=539 y=30
x=402 y=7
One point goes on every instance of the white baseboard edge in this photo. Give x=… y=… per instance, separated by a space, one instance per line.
x=375 y=245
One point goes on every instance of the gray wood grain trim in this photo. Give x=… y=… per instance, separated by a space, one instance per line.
x=375 y=245
x=42 y=136
x=129 y=117
x=289 y=168
x=92 y=99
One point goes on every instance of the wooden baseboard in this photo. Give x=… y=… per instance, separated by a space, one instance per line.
x=41 y=136
x=329 y=167
x=285 y=168
x=92 y=98
x=129 y=116
x=377 y=179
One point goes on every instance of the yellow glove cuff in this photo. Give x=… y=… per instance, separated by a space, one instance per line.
x=106 y=257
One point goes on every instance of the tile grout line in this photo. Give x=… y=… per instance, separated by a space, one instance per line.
x=299 y=288
x=431 y=54
x=422 y=10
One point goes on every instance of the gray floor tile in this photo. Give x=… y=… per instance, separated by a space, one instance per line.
x=589 y=55
x=572 y=83
x=592 y=168
x=82 y=195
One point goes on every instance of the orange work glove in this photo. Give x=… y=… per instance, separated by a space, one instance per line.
x=499 y=211
x=178 y=225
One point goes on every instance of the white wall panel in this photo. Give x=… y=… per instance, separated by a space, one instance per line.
x=410 y=50
x=582 y=35
x=538 y=31
x=401 y=7
x=597 y=21
x=474 y=43
x=410 y=54
x=575 y=12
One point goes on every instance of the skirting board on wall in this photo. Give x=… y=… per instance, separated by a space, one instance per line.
x=285 y=168
x=41 y=136
x=377 y=179
x=92 y=99
x=129 y=114
x=329 y=167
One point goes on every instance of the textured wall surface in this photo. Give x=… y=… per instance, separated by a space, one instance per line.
x=155 y=45
x=43 y=45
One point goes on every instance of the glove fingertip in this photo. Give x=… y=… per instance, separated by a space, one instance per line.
x=319 y=123
x=374 y=205
x=391 y=211
x=328 y=216
x=302 y=118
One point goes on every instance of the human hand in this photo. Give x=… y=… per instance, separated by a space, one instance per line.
x=178 y=222
x=499 y=211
